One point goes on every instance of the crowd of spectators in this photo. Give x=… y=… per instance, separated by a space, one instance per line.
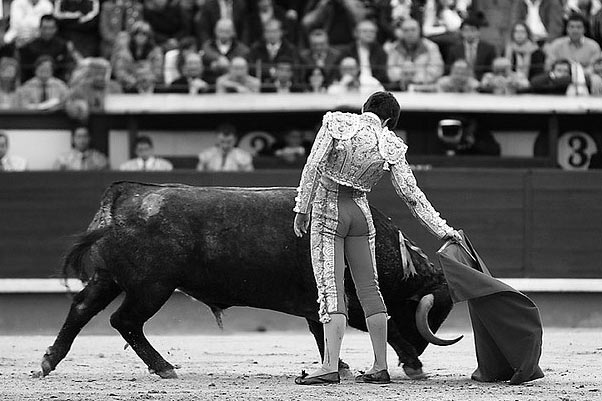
x=329 y=46
x=70 y=53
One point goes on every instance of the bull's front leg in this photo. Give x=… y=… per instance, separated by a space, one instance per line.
x=406 y=352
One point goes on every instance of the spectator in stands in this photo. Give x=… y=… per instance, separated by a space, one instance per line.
x=370 y=56
x=167 y=21
x=575 y=46
x=412 y=59
x=129 y=50
x=441 y=22
x=43 y=91
x=320 y=54
x=264 y=11
x=78 y=24
x=81 y=156
x=502 y=80
x=48 y=43
x=591 y=10
x=543 y=17
x=525 y=55
x=9 y=75
x=6 y=49
x=9 y=162
x=315 y=80
x=595 y=24
x=218 y=52
x=214 y=10
x=337 y=17
x=173 y=60
x=555 y=82
x=146 y=80
x=145 y=158
x=596 y=78
x=292 y=150
x=192 y=80
x=459 y=80
x=476 y=52
x=283 y=79
x=89 y=85
x=238 y=80
x=116 y=16
x=351 y=80
x=225 y=156
x=25 y=16
x=266 y=53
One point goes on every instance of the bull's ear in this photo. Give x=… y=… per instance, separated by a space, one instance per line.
x=415 y=298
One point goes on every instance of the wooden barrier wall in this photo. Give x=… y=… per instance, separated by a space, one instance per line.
x=524 y=223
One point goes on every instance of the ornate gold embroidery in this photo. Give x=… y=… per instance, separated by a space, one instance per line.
x=324 y=221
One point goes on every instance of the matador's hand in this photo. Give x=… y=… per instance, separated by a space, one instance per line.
x=300 y=224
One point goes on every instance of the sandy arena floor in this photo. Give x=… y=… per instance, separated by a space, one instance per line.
x=262 y=367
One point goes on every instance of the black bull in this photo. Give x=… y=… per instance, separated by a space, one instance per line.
x=230 y=247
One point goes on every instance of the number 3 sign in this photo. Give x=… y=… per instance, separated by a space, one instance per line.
x=575 y=149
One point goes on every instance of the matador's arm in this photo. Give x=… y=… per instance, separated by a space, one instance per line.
x=311 y=172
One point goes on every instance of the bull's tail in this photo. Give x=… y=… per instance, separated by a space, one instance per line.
x=75 y=258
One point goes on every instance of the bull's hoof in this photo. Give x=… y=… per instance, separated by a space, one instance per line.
x=46 y=369
x=165 y=374
x=415 y=374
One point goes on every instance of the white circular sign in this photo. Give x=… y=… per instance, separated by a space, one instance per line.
x=575 y=149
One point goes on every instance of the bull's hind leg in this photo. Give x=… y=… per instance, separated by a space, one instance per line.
x=97 y=294
x=141 y=304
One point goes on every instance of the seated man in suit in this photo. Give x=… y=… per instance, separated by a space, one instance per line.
x=267 y=52
x=283 y=79
x=478 y=54
x=191 y=82
x=368 y=53
x=145 y=159
x=320 y=54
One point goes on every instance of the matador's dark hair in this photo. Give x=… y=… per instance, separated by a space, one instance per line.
x=384 y=105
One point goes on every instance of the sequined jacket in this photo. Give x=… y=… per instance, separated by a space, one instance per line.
x=354 y=150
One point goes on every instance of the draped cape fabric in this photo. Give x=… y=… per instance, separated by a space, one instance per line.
x=506 y=323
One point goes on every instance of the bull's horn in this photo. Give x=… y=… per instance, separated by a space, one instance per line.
x=422 y=322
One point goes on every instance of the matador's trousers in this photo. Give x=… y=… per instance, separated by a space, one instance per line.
x=342 y=229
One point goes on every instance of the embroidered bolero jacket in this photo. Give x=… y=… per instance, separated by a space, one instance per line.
x=354 y=150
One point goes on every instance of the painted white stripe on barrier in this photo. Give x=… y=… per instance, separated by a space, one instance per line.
x=528 y=285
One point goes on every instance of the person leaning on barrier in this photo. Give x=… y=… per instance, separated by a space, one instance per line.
x=224 y=155
x=191 y=81
x=238 y=80
x=81 y=157
x=9 y=162
x=352 y=81
x=555 y=82
x=145 y=158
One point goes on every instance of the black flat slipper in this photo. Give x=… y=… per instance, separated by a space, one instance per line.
x=380 y=377
x=328 y=378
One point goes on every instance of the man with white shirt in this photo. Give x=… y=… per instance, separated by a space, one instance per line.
x=225 y=156
x=9 y=162
x=25 y=16
x=352 y=81
x=145 y=159
x=574 y=46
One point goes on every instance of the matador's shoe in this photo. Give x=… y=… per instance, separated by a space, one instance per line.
x=380 y=377
x=328 y=378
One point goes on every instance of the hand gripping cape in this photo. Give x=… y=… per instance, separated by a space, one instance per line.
x=506 y=323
